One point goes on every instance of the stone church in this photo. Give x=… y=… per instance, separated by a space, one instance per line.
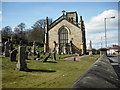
x=65 y=35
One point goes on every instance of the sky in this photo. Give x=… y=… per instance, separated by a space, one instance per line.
x=93 y=13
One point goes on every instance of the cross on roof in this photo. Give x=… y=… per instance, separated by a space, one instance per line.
x=63 y=12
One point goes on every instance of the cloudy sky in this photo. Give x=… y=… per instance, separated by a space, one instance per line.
x=93 y=14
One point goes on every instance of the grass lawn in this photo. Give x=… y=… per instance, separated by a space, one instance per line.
x=45 y=75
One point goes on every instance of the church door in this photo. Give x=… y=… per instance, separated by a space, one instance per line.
x=63 y=38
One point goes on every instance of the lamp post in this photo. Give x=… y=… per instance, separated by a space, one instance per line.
x=105 y=29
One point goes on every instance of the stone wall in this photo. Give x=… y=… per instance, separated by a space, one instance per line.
x=100 y=75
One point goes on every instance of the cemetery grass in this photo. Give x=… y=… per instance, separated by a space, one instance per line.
x=45 y=75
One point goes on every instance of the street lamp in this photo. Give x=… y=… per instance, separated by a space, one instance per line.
x=105 y=29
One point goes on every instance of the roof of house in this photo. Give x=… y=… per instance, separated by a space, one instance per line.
x=114 y=47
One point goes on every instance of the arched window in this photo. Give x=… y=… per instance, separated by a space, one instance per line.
x=63 y=37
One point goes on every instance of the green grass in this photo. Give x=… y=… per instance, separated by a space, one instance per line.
x=66 y=73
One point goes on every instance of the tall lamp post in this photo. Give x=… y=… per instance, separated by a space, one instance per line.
x=105 y=29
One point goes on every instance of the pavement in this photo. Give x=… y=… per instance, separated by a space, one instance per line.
x=77 y=58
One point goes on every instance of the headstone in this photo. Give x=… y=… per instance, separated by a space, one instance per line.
x=70 y=47
x=54 y=45
x=11 y=46
x=90 y=48
x=29 y=52
x=54 y=55
x=1 y=46
x=46 y=58
x=38 y=54
x=26 y=55
x=34 y=48
x=13 y=55
x=57 y=49
x=6 y=51
x=64 y=49
x=22 y=65
x=74 y=58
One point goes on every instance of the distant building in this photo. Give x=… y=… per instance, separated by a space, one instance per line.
x=66 y=35
x=115 y=49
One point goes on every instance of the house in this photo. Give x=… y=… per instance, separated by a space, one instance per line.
x=115 y=49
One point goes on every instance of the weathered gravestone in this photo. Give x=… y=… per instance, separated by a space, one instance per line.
x=65 y=49
x=38 y=54
x=26 y=55
x=11 y=46
x=22 y=65
x=34 y=48
x=74 y=58
x=13 y=54
x=6 y=51
x=29 y=52
x=54 y=55
x=46 y=58
x=71 y=47
x=90 y=48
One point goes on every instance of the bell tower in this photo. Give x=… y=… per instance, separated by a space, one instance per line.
x=72 y=16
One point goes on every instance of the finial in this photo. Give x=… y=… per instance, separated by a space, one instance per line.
x=63 y=12
x=80 y=18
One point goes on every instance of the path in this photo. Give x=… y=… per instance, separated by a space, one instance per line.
x=77 y=57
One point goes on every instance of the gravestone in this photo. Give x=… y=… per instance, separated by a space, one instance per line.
x=54 y=55
x=13 y=55
x=90 y=48
x=26 y=55
x=1 y=48
x=11 y=46
x=38 y=54
x=70 y=47
x=74 y=58
x=64 y=49
x=22 y=65
x=11 y=43
x=6 y=51
x=46 y=58
x=34 y=48
x=29 y=52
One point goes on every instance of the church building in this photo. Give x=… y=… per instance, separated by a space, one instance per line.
x=65 y=35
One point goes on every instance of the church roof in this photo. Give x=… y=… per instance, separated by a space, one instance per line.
x=63 y=17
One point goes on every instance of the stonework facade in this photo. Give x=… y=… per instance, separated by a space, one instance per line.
x=66 y=35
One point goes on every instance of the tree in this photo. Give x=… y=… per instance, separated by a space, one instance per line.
x=21 y=28
x=6 y=32
x=38 y=29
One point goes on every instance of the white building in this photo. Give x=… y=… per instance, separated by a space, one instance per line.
x=115 y=49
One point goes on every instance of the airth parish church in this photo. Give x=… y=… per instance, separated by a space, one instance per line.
x=65 y=35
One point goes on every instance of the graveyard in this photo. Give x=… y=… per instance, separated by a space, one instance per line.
x=48 y=71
